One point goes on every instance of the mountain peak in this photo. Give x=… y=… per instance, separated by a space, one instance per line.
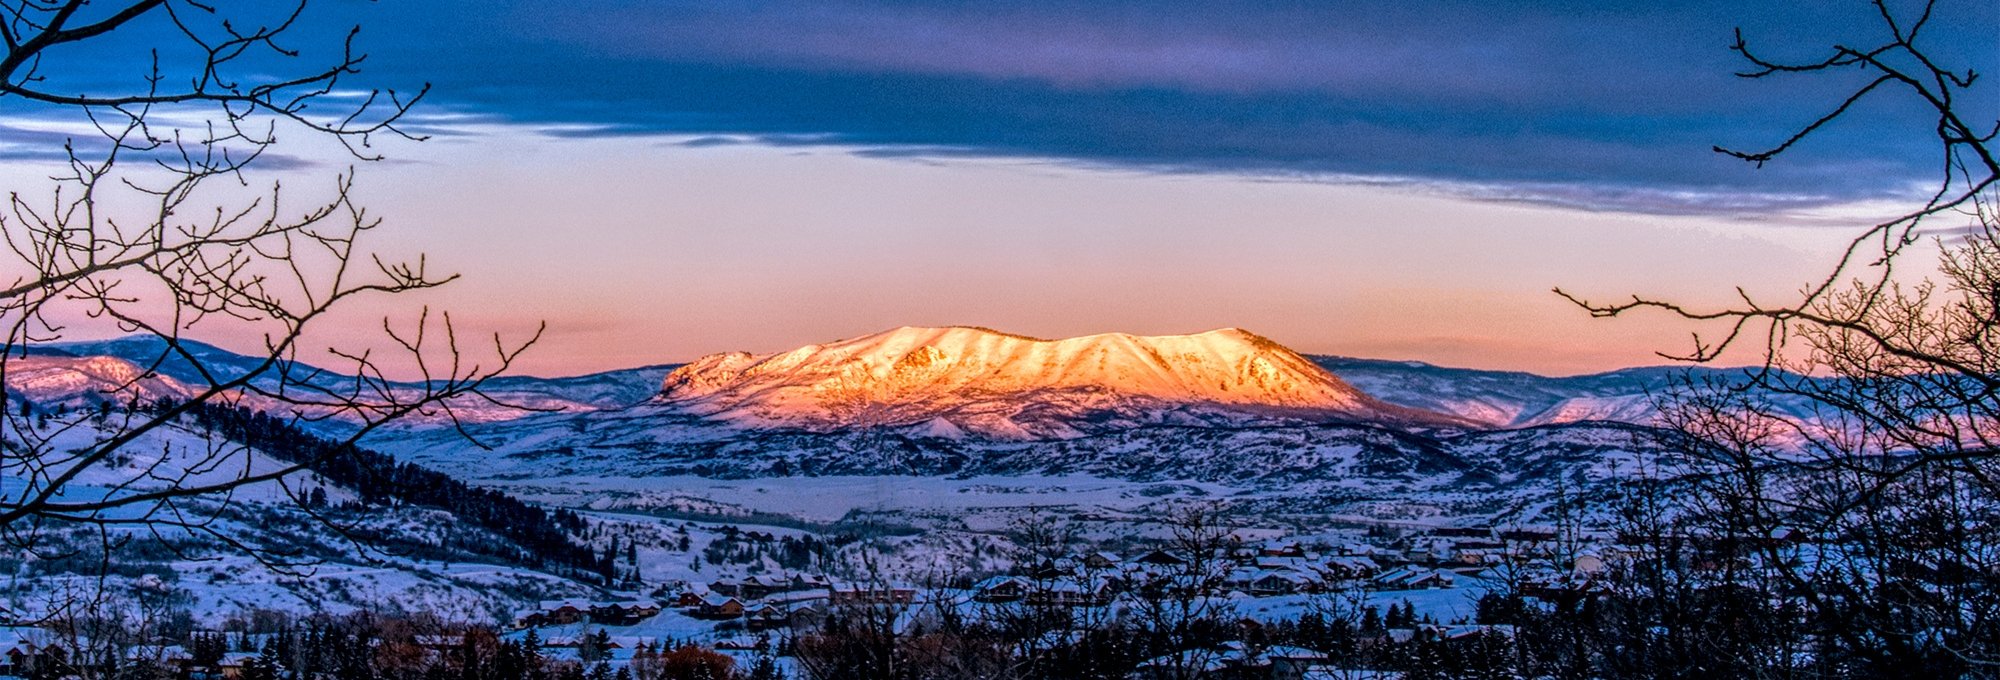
x=989 y=383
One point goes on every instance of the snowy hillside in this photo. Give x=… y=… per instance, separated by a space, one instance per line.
x=330 y=554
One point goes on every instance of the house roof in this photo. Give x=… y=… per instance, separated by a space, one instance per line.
x=997 y=581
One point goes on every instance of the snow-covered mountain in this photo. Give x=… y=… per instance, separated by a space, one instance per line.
x=962 y=381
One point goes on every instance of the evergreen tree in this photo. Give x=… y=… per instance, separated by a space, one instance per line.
x=765 y=668
x=264 y=666
x=207 y=649
x=594 y=646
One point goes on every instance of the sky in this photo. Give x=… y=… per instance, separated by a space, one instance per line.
x=662 y=180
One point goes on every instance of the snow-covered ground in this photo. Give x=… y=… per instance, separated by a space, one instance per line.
x=258 y=547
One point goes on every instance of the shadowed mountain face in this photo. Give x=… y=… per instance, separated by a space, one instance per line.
x=957 y=381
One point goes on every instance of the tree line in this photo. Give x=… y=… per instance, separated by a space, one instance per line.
x=541 y=538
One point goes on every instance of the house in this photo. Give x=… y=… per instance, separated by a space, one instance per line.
x=233 y=664
x=1355 y=550
x=804 y=582
x=1279 y=583
x=808 y=615
x=622 y=613
x=22 y=657
x=766 y=617
x=1239 y=579
x=1349 y=567
x=691 y=597
x=756 y=587
x=718 y=607
x=1161 y=558
x=530 y=618
x=1102 y=560
x=1000 y=589
x=563 y=612
x=1478 y=556
x=1047 y=569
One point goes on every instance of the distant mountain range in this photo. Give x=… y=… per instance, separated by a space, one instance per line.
x=989 y=383
x=74 y=373
x=1227 y=407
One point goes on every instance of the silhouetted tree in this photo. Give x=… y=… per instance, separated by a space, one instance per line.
x=1836 y=512
x=159 y=224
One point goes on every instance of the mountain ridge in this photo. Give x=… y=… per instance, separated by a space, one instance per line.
x=960 y=380
x=1475 y=397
